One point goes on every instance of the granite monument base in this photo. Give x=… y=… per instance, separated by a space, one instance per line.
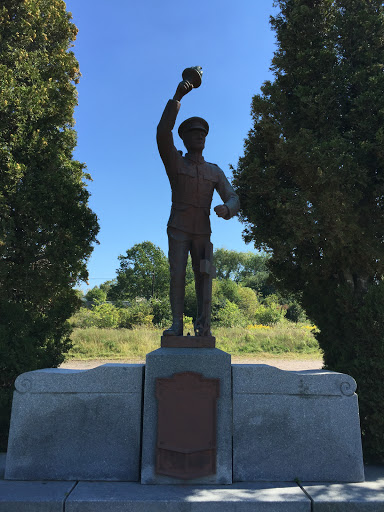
x=210 y=363
x=274 y=425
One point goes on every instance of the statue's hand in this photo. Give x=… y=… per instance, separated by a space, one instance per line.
x=222 y=211
x=183 y=88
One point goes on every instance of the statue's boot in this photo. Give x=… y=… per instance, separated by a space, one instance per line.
x=176 y=328
x=177 y=305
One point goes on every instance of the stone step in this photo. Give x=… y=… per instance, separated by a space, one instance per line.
x=49 y=496
x=135 y=497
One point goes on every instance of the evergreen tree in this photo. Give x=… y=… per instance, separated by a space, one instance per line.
x=311 y=183
x=46 y=226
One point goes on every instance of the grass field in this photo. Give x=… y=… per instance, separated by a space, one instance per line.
x=286 y=339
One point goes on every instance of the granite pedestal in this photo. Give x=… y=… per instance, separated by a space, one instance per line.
x=212 y=364
x=275 y=425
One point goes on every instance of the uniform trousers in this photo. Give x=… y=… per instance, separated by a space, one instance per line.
x=180 y=244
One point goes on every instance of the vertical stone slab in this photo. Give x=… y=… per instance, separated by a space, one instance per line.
x=211 y=364
x=295 y=425
x=76 y=425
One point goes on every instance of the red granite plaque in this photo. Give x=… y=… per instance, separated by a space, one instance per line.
x=186 y=430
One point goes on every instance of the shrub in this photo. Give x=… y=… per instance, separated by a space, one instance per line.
x=230 y=316
x=139 y=313
x=247 y=301
x=188 y=324
x=106 y=316
x=83 y=319
x=96 y=295
x=190 y=304
x=269 y=314
x=296 y=313
x=161 y=311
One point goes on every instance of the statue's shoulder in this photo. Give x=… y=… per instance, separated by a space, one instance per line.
x=215 y=168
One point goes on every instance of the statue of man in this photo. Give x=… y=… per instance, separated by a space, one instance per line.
x=193 y=181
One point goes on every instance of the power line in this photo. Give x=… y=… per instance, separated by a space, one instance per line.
x=89 y=278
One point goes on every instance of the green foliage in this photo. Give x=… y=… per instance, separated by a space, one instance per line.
x=269 y=314
x=190 y=303
x=109 y=316
x=46 y=226
x=188 y=324
x=247 y=301
x=228 y=263
x=311 y=179
x=236 y=265
x=260 y=283
x=105 y=316
x=227 y=290
x=96 y=295
x=107 y=285
x=143 y=273
x=295 y=312
x=246 y=268
x=189 y=275
x=79 y=293
x=82 y=319
x=233 y=304
x=139 y=313
x=230 y=315
x=143 y=261
x=5 y=408
x=368 y=366
x=161 y=311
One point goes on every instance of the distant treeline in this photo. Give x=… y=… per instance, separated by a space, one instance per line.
x=242 y=293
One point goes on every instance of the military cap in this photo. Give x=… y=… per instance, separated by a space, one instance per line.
x=193 y=123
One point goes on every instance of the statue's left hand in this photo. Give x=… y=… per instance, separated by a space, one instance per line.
x=222 y=210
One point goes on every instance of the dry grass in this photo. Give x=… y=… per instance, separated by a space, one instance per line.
x=283 y=340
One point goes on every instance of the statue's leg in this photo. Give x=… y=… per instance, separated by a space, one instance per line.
x=178 y=245
x=197 y=254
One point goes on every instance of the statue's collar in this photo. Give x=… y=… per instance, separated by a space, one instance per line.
x=195 y=159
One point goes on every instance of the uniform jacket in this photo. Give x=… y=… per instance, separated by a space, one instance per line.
x=192 y=182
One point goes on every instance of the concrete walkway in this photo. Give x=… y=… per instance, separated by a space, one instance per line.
x=16 y=496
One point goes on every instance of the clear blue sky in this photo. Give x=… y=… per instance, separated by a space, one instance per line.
x=131 y=57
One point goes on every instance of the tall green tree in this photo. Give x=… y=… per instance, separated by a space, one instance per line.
x=143 y=272
x=311 y=183
x=46 y=226
x=238 y=265
x=247 y=268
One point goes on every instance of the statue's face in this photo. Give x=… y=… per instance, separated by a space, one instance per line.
x=194 y=140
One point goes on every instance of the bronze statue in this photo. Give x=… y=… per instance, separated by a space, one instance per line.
x=193 y=181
